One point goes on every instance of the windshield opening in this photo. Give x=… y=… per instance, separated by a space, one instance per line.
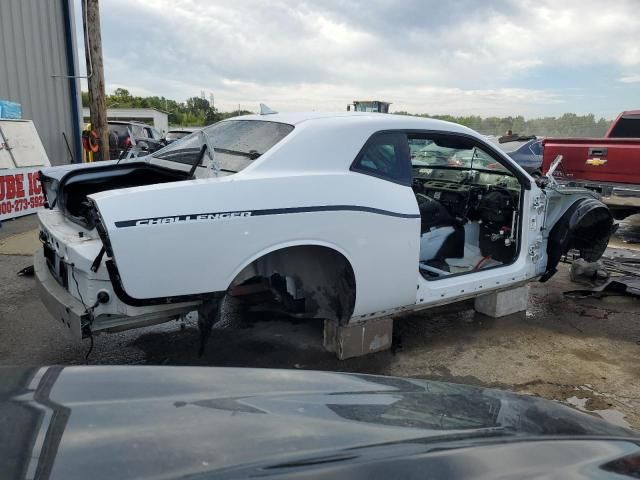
x=448 y=152
x=237 y=143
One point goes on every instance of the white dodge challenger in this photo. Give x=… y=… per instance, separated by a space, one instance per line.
x=344 y=216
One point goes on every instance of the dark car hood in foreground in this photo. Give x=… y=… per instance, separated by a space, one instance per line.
x=172 y=422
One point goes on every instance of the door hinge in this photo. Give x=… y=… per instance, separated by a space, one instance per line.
x=537 y=203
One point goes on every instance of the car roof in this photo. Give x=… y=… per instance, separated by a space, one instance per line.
x=184 y=129
x=295 y=118
x=377 y=120
x=511 y=145
x=127 y=122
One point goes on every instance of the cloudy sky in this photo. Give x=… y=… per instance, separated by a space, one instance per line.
x=498 y=57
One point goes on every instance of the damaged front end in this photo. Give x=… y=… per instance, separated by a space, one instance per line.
x=585 y=226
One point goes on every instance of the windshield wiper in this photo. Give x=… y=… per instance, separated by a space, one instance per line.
x=252 y=154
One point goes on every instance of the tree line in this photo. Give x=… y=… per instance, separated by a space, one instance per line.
x=194 y=112
x=567 y=125
x=197 y=111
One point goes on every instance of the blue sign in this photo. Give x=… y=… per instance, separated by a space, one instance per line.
x=10 y=110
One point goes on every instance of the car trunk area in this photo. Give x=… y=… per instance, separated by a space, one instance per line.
x=73 y=189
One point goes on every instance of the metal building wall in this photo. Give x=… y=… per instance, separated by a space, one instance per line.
x=37 y=41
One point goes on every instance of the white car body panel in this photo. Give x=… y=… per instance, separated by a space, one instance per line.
x=194 y=237
x=354 y=234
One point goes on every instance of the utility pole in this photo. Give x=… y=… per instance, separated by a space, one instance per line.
x=95 y=74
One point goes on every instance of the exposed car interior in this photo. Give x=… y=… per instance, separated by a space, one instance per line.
x=469 y=206
x=469 y=202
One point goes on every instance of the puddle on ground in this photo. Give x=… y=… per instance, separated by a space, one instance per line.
x=613 y=416
x=581 y=402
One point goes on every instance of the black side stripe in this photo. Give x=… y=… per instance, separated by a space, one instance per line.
x=257 y=213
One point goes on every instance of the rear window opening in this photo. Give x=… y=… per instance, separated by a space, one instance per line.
x=237 y=143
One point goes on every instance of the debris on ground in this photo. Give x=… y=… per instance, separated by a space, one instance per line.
x=27 y=271
x=622 y=265
x=597 y=275
x=588 y=273
x=625 y=285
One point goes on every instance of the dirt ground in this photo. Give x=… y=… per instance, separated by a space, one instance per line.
x=585 y=352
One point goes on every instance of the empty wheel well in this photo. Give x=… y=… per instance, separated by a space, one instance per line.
x=313 y=281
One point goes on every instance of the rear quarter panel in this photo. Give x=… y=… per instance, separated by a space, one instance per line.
x=190 y=257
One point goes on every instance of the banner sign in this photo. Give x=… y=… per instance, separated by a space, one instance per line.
x=20 y=192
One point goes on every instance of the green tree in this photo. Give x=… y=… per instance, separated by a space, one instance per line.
x=567 y=125
x=197 y=111
x=197 y=105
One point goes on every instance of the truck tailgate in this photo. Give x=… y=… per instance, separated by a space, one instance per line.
x=595 y=159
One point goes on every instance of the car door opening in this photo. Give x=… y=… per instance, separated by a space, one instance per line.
x=469 y=206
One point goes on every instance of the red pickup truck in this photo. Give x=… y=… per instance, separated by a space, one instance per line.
x=609 y=165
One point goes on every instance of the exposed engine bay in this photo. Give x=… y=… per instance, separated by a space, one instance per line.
x=469 y=219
